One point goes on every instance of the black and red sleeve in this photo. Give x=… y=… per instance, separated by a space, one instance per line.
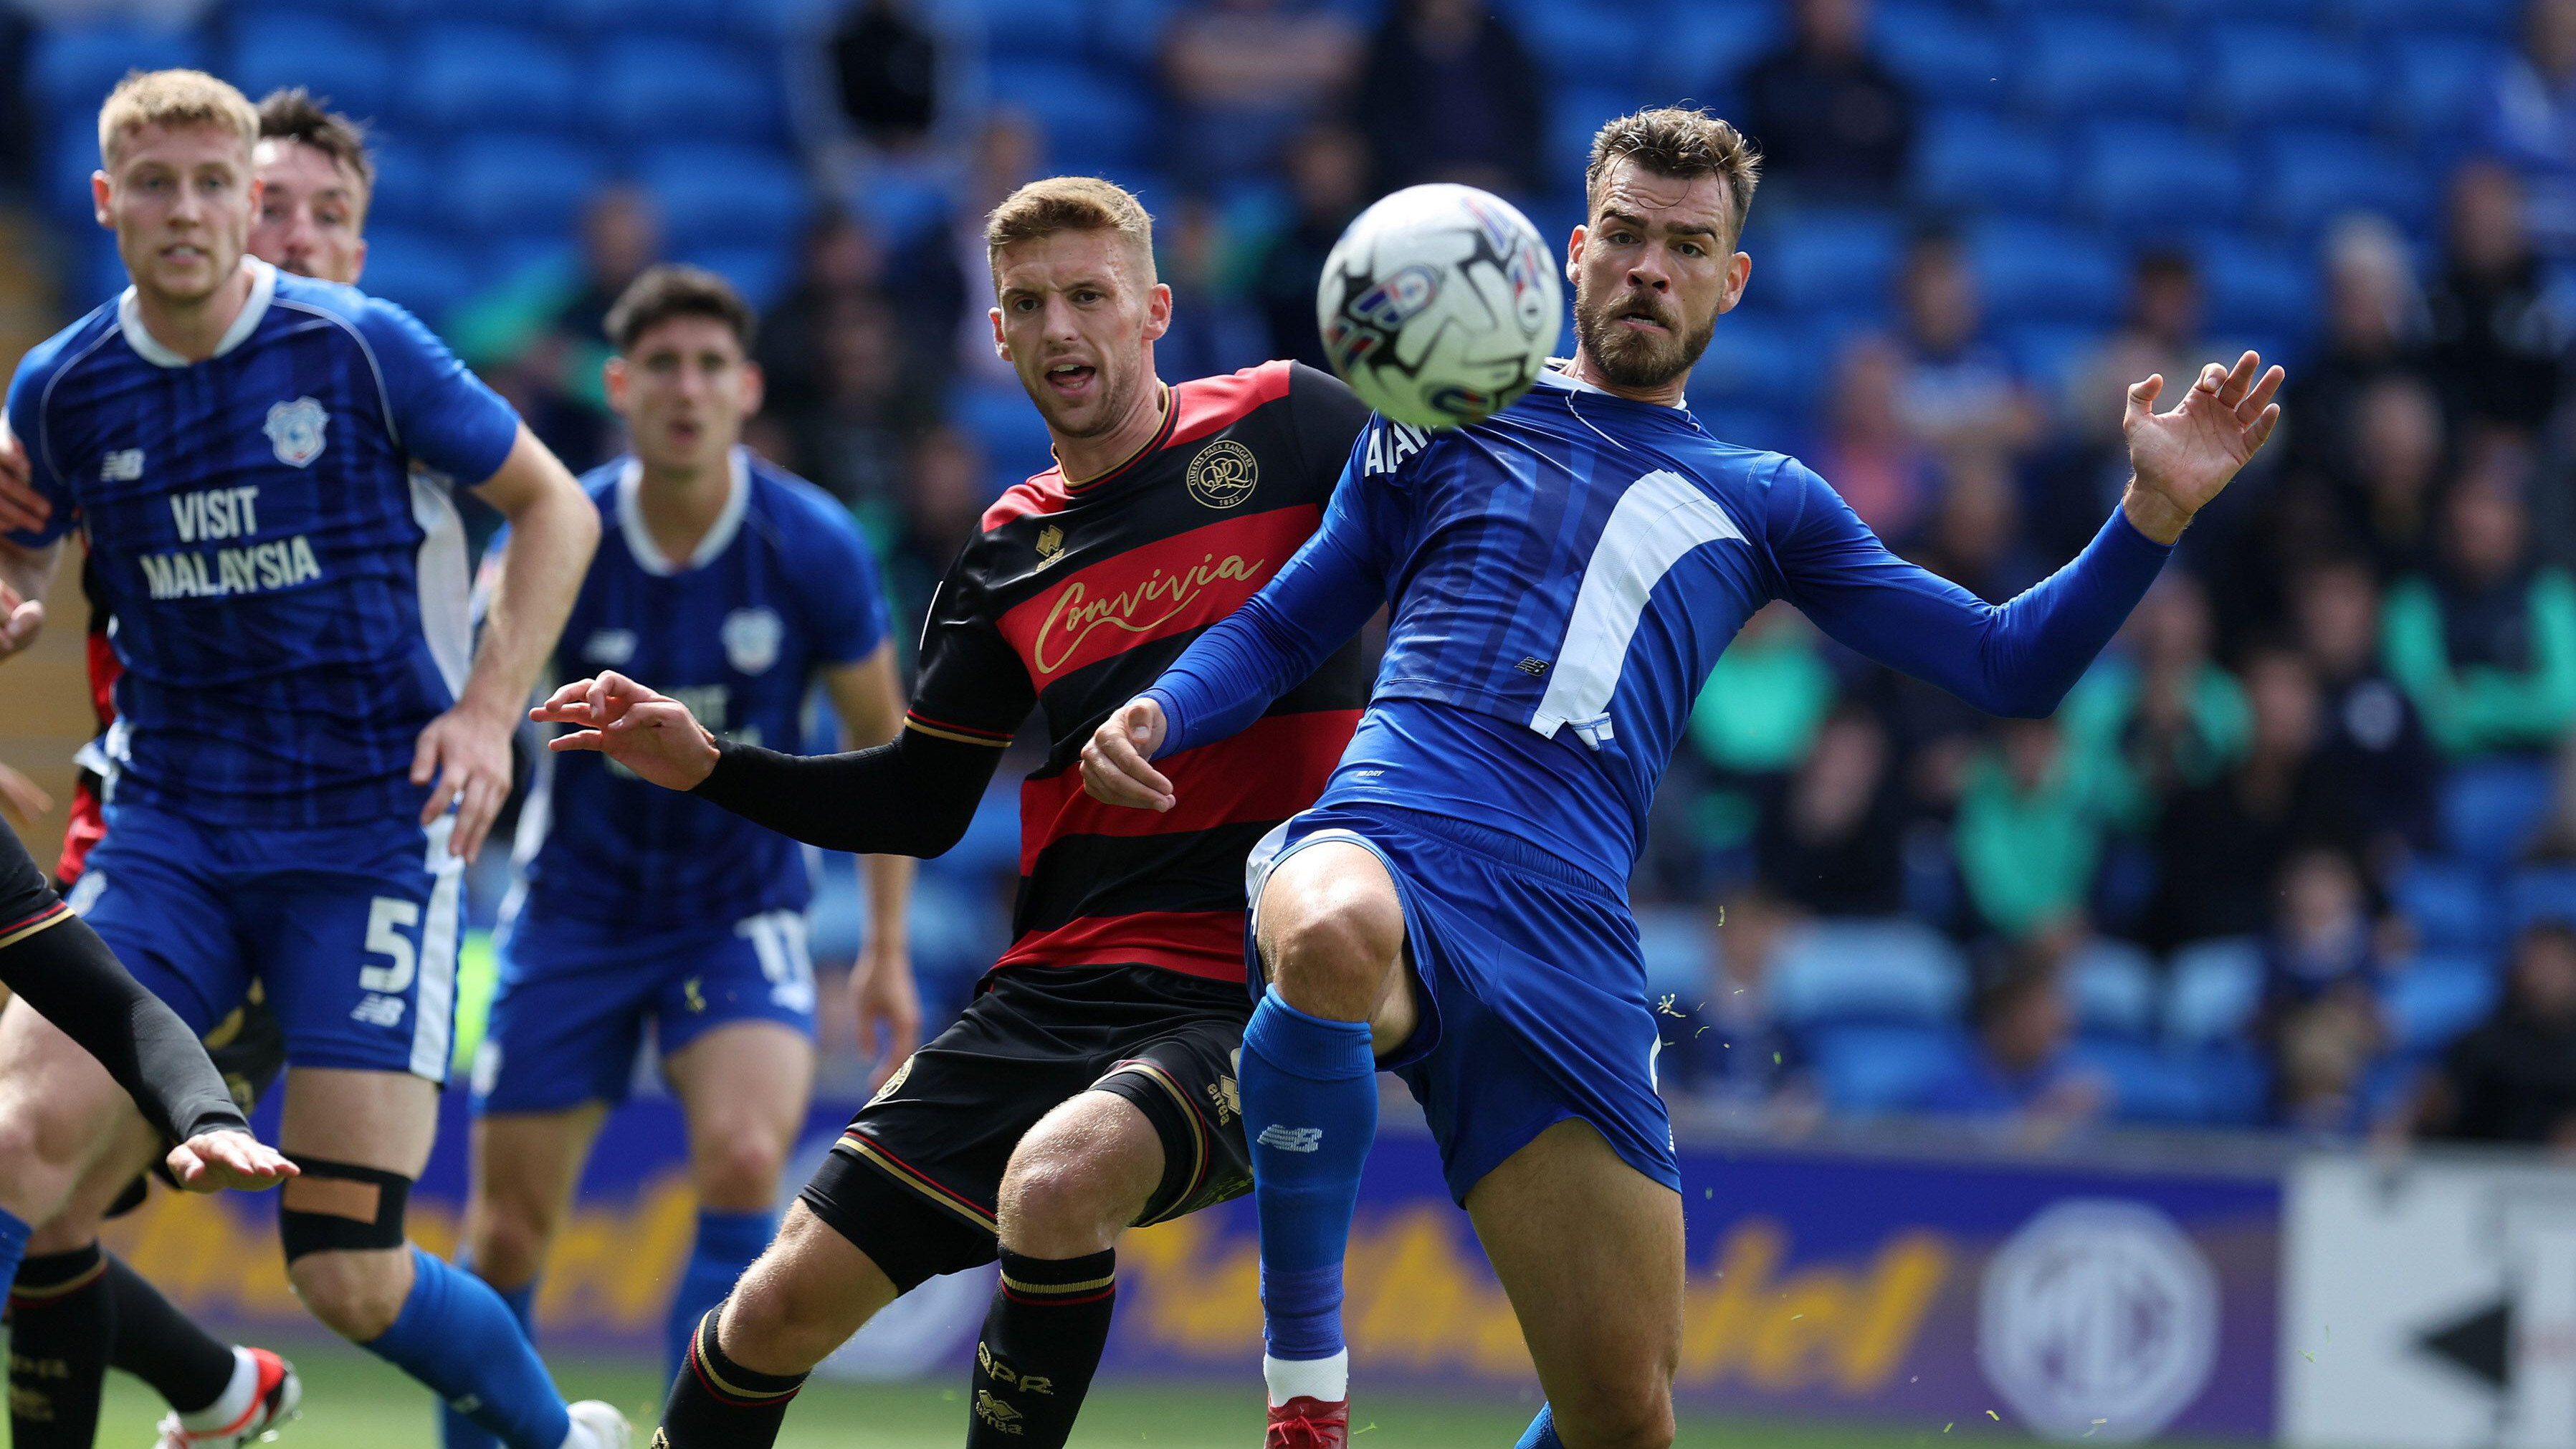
x=1325 y=417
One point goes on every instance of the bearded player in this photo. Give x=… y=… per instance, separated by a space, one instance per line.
x=1563 y=577
x=303 y=749
x=1090 y=1085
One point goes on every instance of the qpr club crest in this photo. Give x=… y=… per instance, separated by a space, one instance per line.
x=295 y=430
x=751 y=639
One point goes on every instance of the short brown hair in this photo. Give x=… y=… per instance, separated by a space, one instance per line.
x=172 y=98
x=667 y=291
x=1682 y=142
x=1069 y=203
x=292 y=113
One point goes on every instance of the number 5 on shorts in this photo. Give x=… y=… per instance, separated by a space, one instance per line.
x=387 y=918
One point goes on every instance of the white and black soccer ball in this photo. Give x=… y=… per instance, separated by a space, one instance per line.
x=1439 y=305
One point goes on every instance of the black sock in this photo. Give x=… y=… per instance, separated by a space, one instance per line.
x=61 y=1322
x=718 y=1404
x=1041 y=1345
x=162 y=1346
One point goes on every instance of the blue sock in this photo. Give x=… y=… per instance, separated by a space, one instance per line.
x=455 y=1335
x=455 y=1430
x=1541 y=1434
x=1310 y=1106
x=13 y=1246
x=727 y=1244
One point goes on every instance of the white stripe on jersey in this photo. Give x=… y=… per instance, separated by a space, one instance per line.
x=433 y=1006
x=1659 y=520
x=446 y=592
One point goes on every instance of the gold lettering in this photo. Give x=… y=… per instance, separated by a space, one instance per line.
x=1077 y=614
x=1910 y=1271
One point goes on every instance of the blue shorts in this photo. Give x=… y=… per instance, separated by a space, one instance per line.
x=350 y=930
x=568 y=1020
x=1532 y=984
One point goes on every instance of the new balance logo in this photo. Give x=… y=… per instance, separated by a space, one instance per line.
x=378 y=1010
x=122 y=466
x=1532 y=666
x=1291 y=1139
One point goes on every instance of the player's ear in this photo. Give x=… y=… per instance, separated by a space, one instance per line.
x=358 y=263
x=1739 y=270
x=1001 y=348
x=755 y=387
x=1158 y=312
x=613 y=373
x=99 y=190
x=1574 y=250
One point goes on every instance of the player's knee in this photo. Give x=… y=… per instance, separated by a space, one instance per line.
x=1340 y=936
x=356 y=1295
x=738 y=1171
x=341 y=1225
x=39 y=1179
x=1636 y=1413
x=1058 y=1207
x=776 y=1324
x=508 y=1241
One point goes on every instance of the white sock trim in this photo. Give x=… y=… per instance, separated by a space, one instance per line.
x=1326 y=1379
x=234 y=1401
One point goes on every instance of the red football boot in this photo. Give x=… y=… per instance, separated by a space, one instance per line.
x=1303 y=1423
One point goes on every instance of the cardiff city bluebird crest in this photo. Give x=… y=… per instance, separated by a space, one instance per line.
x=751 y=639
x=295 y=430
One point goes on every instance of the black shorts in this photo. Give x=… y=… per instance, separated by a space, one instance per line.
x=913 y=1180
x=249 y=1050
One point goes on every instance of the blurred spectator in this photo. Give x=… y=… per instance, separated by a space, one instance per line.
x=2485 y=644
x=2531 y=120
x=2162 y=333
x=2029 y=831
x=1327 y=185
x=1449 y=93
x=2387 y=479
x=2222 y=843
x=862 y=412
x=940 y=278
x=1831 y=842
x=886 y=62
x=1833 y=124
x=2374 y=330
x=946 y=487
x=1959 y=390
x=2319 y=1064
x=541 y=339
x=2323 y=944
x=2500 y=328
x=1974 y=537
x=1732 y=1049
x=2555 y=841
x=2371 y=743
x=2018 y=1074
x=1754 y=721
x=2513 y=1079
x=841 y=264
x=1876 y=461
x=1245 y=75
x=1214 y=329
x=2158 y=715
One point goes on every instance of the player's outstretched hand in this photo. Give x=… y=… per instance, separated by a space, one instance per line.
x=214 y=1161
x=20 y=799
x=22 y=508
x=651 y=734
x=1117 y=765
x=467 y=752
x=21 y=620
x=888 y=1006
x=2182 y=458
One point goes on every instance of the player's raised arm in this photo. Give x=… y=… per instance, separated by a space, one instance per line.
x=2021 y=657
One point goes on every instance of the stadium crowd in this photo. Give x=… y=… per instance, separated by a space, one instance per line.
x=2301 y=852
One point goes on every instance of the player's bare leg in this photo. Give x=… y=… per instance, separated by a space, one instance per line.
x=805 y=1296
x=1075 y=1182
x=361 y=1138
x=58 y=1110
x=744 y=1088
x=1590 y=1251
x=1330 y=928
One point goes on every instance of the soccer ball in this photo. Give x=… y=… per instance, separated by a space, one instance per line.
x=1439 y=305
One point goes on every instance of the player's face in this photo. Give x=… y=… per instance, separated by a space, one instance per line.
x=685 y=390
x=180 y=202
x=310 y=211
x=1077 y=319
x=1652 y=270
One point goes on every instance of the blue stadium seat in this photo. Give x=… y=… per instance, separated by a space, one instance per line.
x=1034 y=28
x=1867 y=1070
x=2034 y=271
x=627 y=17
x=2146 y=1086
x=762 y=273
x=2143 y=178
x=1773 y=429
x=1760 y=359
x=1824 y=260
x=2452 y=904
x=2212 y=990
x=1842 y=970
x=2541 y=893
x=497 y=184
x=1975 y=161
x=725 y=195
x=2312 y=177
x=2436 y=998
x=421 y=270
x=463 y=75
x=72 y=68
x=2195 y=13
x=1589 y=40
x=2490 y=19
x=1702 y=48
x=2490 y=808
x=2264 y=75
x=1013 y=436
x=1943 y=55
x=347 y=63
x=1674 y=941
x=2048 y=354
x=2235 y=1084
x=2112 y=986
x=2088 y=66
x=2254 y=286
x=654 y=89
x=2438 y=87
x=1094 y=121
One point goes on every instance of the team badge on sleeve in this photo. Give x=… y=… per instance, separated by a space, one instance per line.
x=295 y=430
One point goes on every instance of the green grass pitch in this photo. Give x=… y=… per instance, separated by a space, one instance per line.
x=354 y=1402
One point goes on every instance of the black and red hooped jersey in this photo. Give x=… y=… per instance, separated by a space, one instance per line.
x=1073 y=598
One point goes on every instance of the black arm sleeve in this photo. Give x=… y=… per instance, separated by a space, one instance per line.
x=912 y=797
x=60 y=966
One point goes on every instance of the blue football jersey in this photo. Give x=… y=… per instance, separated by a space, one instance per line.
x=1563 y=576
x=782 y=586
x=289 y=589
